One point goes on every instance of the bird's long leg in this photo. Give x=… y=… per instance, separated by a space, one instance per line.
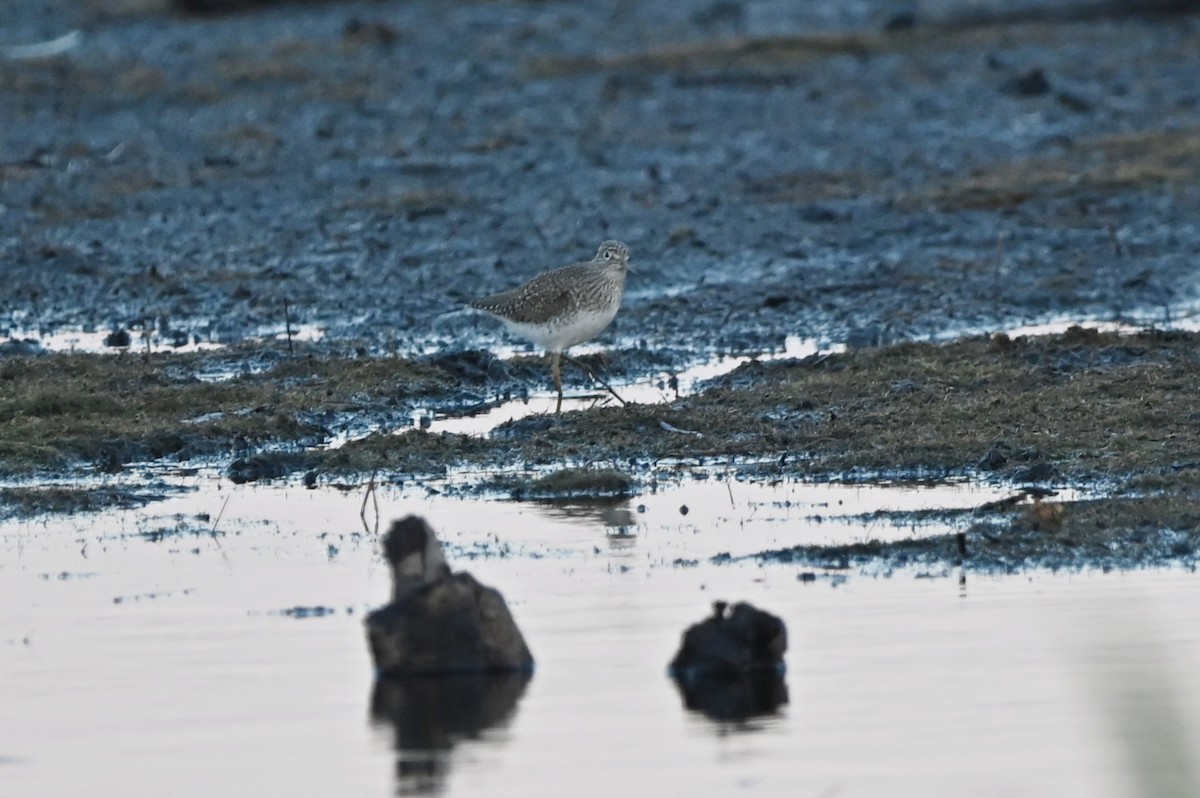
x=594 y=378
x=556 y=370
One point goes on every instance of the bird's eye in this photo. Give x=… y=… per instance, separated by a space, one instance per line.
x=608 y=254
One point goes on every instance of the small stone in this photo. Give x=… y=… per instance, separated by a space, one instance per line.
x=1031 y=84
x=118 y=338
x=900 y=21
x=995 y=457
x=1038 y=472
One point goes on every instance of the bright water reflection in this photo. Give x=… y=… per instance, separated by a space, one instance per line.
x=99 y=341
x=649 y=389
x=142 y=656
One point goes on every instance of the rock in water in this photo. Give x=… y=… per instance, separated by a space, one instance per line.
x=732 y=642
x=439 y=621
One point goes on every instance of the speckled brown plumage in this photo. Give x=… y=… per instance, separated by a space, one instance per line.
x=547 y=296
x=566 y=306
x=552 y=295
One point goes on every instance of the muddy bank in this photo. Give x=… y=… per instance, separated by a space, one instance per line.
x=1120 y=532
x=1081 y=406
x=845 y=174
x=1111 y=412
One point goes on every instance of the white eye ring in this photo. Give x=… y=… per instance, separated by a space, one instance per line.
x=608 y=255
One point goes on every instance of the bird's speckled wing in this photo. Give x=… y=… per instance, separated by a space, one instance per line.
x=545 y=297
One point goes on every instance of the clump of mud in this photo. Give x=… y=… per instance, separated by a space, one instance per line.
x=574 y=483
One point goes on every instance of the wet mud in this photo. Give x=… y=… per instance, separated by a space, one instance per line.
x=1110 y=412
x=849 y=176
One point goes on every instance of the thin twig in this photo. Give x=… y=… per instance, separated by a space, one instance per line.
x=669 y=427
x=212 y=533
x=217 y=520
x=375 y=502
x=362 y=510
x=287 y=324
x=594 y=378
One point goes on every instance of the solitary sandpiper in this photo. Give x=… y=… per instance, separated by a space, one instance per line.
x=563 y=307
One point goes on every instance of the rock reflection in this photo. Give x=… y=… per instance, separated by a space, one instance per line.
x=734 y=698
x=614 y=513
x=428 y=715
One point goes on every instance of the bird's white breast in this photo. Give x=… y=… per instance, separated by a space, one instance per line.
x=556 y=335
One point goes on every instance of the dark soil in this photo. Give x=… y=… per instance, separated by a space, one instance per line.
x=374 y=164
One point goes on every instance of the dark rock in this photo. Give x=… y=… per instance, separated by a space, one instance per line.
x=901 y=21
x=117 y=338
x=730 y=666
x=996 y=457
x=439 y=622
x=1038 y=472
x=20 y=347
x=1031 y=84
x=372 y=32
x=721 y=14
x=820 y=214
x=905 y=386
x=176 y=338
x=110 y=459
x=1073 y=102
x=731 y=642
x=472 y=366
x=219 y=6
x=269 y=465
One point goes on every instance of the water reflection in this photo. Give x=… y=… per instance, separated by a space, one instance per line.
x=654 y=388
x=429 y=715
x=148 y=337
x=734 y=698
x=614 y=514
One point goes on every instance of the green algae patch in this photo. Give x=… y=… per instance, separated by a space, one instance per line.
x=573 y=483
x=407 y=452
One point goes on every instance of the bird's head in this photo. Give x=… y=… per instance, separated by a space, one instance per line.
x=612 y=253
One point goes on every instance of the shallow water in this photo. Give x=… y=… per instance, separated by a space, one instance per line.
x=96 y=341
x=645 y=389
x=141 y=655
x=666 y=387
x=1184 y=317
